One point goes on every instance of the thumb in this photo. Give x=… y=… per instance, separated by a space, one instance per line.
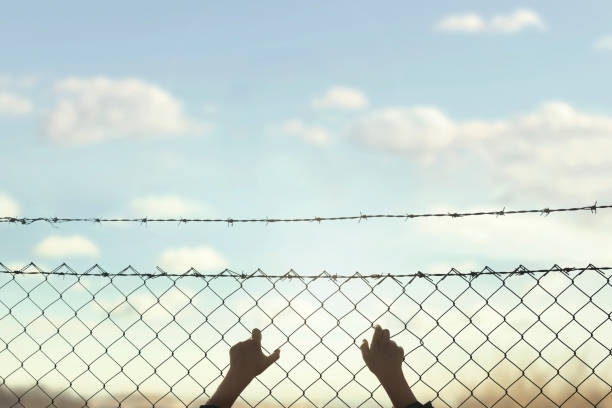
x=272 y=358
x=365 y=350
x=256 y=336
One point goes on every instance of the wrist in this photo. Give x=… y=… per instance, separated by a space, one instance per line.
x=391 y=375
x=397 y=388
x=229 y=390
x=237 y=378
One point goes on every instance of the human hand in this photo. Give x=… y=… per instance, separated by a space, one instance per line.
x=384 y=358
x=247 y=360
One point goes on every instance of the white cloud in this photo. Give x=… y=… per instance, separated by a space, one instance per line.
x=11 y=104
x=414 y=128
x=173 y=301
x=62 y=246
x=167 y=206
x=92 y=110
x=604 y=43
x=8 y=206
x=202 y=258
x=538 y=241
x=340 y=97
x=468 y=22
x=511 y=23
x=552 y=150
x=312 y=134
x=515 y=22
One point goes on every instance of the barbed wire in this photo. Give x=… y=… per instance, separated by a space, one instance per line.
x=231 y=221
x=129 y=271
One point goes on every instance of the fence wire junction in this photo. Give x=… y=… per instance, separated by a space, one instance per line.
x=520 y=338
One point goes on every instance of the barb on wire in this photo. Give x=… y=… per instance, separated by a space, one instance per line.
x=231 y=221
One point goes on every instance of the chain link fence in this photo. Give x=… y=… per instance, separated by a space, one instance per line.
x=522 y=338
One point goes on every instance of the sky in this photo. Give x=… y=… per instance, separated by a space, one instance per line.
x=294 y=109
x=281 y=109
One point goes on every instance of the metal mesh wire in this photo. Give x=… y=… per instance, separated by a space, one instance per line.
x=493 y=339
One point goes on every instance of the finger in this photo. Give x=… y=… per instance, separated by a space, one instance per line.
x=385 y=336
x=365 y=350
x=272 y=358
x=256 y=336
x=377 y=336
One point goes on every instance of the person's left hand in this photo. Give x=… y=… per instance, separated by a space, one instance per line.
x=247 y=360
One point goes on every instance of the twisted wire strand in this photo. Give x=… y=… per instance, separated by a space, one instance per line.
x=231 y=221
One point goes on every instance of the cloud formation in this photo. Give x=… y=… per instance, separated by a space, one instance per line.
x=312 y=134
x=9 y=207
x=93 y=110
x=512 y=23
x=202 y=258
x=543 y=241
x=555 y=149
x=174 y=301
x=604 y=43
x=418 y=128
x=12 y=104
x=341 y=97
x=166 y=206
x=62 y=246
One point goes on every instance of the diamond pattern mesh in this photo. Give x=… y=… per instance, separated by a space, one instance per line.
x=491 y=339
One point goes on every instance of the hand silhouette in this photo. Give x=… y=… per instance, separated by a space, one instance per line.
x=246 y=362
x=384 y=358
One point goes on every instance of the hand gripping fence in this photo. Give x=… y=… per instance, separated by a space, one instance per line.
x=520 y=338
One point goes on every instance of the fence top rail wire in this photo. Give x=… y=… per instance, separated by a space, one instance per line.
x=231 y=221
x=96 y=270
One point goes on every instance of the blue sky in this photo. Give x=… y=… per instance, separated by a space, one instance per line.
x=286 y=109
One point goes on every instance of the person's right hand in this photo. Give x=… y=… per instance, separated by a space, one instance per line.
x=247 y=360
x=383 y=357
